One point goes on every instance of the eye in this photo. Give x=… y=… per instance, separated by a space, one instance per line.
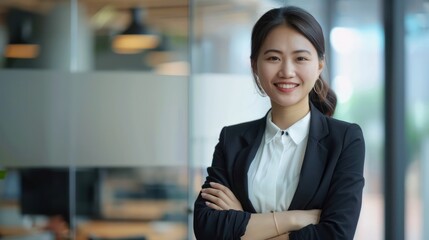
x=273 y=59
x=301 y=59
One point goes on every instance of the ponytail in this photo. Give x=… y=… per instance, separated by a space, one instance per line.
x=323 y=97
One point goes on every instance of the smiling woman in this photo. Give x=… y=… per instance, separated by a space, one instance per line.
x=296 y=173
x=288 y=69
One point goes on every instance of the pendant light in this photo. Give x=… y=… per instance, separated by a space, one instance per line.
x=20 y=29
x=136 y=37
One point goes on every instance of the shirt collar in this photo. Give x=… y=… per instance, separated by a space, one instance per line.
x=297 y=132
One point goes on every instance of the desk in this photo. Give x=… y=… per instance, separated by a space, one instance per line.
x=14 y=231
x=17 y=231
x=151 y=230
x=142 y=209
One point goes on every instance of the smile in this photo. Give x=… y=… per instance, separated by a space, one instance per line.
x=286 y=85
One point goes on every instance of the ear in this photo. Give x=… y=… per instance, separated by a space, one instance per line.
x=321 y=65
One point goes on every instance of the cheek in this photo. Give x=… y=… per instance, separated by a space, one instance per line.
x=310 y=74
x=267 y=71
x=266 y=78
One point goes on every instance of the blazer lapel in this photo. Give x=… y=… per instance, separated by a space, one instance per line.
x=314 y=161
x=252 y=139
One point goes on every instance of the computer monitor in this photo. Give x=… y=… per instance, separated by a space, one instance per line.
x=46 y=191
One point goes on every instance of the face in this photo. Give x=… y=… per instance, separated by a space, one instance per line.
x=288 y=67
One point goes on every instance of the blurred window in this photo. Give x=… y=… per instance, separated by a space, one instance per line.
x=417 y=113
x=357 y=77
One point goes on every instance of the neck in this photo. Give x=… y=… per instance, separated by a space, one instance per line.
x=284 y=117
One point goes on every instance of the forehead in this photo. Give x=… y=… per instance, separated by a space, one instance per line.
x=286 y=38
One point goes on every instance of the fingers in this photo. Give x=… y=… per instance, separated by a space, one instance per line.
x=214 y=201
x=223 y=189
x=220 y=197
x=220 y=191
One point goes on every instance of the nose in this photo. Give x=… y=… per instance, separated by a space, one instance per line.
x=287 y=70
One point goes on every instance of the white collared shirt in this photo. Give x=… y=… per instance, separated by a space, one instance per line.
x=274 y=172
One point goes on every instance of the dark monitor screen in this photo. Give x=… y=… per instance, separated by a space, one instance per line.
x=46 y=191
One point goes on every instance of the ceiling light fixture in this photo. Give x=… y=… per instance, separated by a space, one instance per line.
x=20 y=28
x=136 y=37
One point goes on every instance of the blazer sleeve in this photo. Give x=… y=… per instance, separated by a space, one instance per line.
x=214 y=224
x=341 y=209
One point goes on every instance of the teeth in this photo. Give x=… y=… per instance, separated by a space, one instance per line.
x=287 y=85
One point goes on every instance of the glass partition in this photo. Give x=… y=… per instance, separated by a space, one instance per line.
x=357 y=77
x=94 y=135
x=129 y=115
x=417 y=105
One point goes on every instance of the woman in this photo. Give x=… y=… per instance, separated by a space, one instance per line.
x=296 y=173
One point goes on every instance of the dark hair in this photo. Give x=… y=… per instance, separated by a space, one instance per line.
x=322 y=96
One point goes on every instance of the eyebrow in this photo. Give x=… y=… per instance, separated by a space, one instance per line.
x=294 y=52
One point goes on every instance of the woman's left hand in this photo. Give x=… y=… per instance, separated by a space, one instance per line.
x=220 y=197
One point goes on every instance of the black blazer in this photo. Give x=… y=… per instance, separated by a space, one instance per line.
x=331 y=179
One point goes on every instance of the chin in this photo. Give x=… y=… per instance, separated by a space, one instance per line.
x=290 y=103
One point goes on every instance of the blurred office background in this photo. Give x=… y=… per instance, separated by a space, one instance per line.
x=110 y=110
